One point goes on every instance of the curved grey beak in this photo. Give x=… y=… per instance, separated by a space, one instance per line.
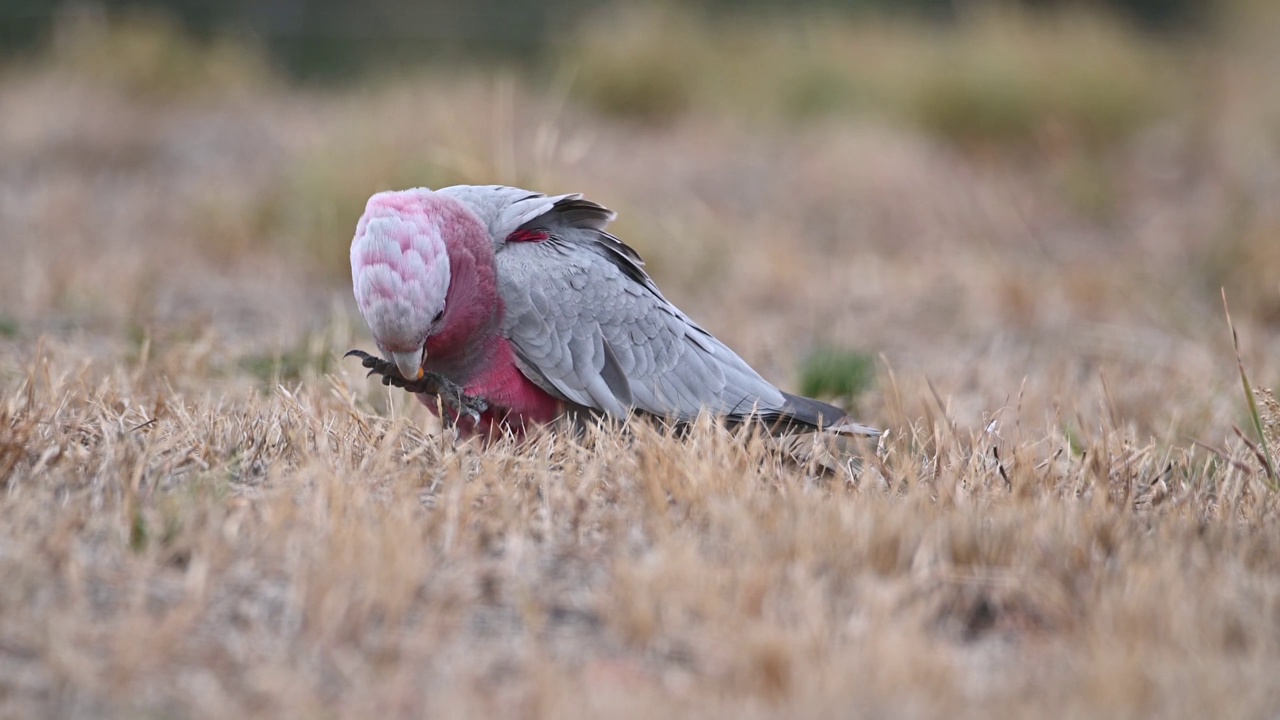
x=409 y=364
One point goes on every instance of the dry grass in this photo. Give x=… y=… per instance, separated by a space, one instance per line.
x=204 y=514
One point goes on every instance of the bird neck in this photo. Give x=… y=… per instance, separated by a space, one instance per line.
x=473 y=311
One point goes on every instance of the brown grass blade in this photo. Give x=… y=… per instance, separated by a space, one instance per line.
x=1264 y=452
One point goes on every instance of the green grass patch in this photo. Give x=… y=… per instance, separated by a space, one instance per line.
x=835 y=373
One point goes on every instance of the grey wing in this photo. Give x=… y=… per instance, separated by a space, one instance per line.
x=504 y=209
x=585 y=329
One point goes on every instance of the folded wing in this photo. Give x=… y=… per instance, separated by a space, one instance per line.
x=589 y=326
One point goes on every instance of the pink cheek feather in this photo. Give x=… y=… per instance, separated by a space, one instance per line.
x=466 y=306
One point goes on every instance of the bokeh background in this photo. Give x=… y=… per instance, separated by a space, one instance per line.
x=1002 y=230
x=1040 y=188
x=331 y=38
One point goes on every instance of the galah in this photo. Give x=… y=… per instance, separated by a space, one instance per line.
x=519 y=308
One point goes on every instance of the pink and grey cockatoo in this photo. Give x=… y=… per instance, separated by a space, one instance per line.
x=518 y=308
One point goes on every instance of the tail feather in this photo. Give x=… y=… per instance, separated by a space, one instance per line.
x=802 y=413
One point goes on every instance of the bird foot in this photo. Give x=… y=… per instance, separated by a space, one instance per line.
x=429 y=384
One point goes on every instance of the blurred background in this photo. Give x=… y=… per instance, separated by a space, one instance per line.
x=1010 y=199
x=1001 y=230
x=327 y=38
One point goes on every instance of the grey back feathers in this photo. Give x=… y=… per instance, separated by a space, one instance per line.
x=506 y=209
x=589 y=325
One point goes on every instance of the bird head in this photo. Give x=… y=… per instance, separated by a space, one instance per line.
x=400 y=271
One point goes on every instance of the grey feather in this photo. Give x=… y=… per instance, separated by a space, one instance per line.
x=504 y=210
x=589 y=325
x=615 y=376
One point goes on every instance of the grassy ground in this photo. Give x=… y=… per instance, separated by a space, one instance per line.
x=205 y=513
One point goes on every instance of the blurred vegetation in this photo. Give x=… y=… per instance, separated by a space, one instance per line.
x=837 y=373
x=1076 y=85
x=312 y=355
x=324 y=190
x=994 y=77
x=148 y=54
x=339 y=37
x=1243 y=256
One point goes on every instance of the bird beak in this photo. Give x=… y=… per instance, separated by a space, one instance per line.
x=410 y=364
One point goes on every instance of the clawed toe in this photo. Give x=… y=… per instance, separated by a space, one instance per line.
x=367 y=360
x=429 y=384
x=387 y=373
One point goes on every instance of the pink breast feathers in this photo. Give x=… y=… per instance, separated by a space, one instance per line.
x=515 y=403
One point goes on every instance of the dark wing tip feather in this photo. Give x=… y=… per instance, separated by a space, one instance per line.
x=801 y=412
x=583 y=213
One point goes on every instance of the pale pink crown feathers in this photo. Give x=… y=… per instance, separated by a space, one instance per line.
x=400 y=268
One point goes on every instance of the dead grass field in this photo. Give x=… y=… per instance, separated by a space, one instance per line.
x=205 y=513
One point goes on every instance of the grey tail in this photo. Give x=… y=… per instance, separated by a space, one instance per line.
x=806 y=414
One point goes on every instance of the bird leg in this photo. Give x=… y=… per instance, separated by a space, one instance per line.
x=429 y=384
